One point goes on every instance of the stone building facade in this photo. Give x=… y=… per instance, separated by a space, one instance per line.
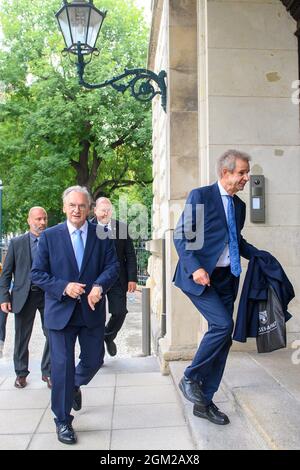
x=232 y=68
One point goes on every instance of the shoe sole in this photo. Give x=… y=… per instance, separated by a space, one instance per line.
x=196 y=402
x=200 y=415
x=67 y=442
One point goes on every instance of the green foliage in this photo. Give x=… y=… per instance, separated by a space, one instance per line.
x=53 y=133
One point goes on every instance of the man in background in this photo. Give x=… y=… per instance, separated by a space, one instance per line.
x=116 y=296
x=24 y=298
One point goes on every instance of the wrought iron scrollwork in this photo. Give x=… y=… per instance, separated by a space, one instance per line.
x=140 y=85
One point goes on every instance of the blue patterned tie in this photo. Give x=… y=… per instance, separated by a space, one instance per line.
x=235 y=264
x=78 y=247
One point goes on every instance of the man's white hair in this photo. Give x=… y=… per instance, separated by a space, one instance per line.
x=77 y=189
x=103 y=199
x=228 y=160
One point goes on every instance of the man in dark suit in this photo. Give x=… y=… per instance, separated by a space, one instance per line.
x=209 y=244
x=116 y=296
x=75 y=268
x=25 y=298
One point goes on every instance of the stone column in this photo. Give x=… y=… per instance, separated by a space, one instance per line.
x=175 y=165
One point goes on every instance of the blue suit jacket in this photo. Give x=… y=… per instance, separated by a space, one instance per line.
x=55 y=266
x=210 y=224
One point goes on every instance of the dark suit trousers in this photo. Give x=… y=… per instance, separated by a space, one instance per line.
x=216 y=305
x=64 y=375
x=3 y=320
x=117 y=307
x=23 y=328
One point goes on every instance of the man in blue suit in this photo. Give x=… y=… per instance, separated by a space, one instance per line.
x=209 y=243
x=75 y=268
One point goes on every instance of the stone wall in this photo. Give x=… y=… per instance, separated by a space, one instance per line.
x=251 y=62
x=230 y=68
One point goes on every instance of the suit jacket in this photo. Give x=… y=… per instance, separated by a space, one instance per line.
x=125 y=252
x=204 y=215
x=263 y=271
x=17 y=266
x=55 y=266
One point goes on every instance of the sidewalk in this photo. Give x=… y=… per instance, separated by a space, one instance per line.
x=129 y=405
x=261 y=395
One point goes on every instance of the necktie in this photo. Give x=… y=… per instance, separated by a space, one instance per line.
x=105 y=228
x=235 y=265
x=78 y=247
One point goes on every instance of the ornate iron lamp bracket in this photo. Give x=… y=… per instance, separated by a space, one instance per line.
x=140 y=84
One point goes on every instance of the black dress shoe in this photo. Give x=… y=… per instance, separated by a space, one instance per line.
x=111 y=348
x=192 y=391
x=212 y=413
x=77 y=399
x=66 y=434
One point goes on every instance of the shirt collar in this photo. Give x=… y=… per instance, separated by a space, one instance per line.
x=222 y=190
x=33 y=237
x=105 y=225
x=73 y=229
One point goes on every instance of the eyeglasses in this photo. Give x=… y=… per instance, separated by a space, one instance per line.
x=81 y=207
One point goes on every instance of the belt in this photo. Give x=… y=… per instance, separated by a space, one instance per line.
x=222 y=268
x=35 y=289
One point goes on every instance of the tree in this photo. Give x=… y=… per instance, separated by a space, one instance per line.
x=54 y=133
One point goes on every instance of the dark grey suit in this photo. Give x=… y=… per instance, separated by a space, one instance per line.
x=116 y=296
x=25 y=300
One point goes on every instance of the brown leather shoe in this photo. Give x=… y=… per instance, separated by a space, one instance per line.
x=47 y=379
x=20 y=382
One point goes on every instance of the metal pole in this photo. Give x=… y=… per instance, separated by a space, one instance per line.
x=1 y=187
x=164 y=282
x=146 y=329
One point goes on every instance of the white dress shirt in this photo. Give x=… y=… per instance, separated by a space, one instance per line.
x=105 y=225
x=224 y=259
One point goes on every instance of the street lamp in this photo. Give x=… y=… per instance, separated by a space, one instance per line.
x=80 y=23
x=1 y=188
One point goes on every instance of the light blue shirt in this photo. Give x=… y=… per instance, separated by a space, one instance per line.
x=73 y=229
x=224 y=259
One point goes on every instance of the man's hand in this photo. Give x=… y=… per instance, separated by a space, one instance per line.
x=201 y=277
x=74 y=289
x=6 y=307
x=131 y=286
x=94 y=297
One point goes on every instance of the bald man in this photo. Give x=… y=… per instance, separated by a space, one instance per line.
x=24 y=299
